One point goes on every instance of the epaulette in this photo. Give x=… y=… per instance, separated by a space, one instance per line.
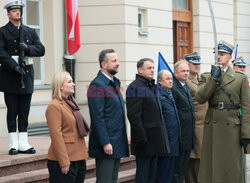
x=206 y=73
x=240 y=72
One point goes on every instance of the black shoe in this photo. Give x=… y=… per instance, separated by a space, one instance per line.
x=13 y=151
x=29 y=151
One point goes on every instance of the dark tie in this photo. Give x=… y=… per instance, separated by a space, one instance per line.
x=170 y=95
x=185 y=87
x=112 y=83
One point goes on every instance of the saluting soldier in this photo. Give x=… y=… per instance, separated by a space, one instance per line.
x=225 y=131
x=194 y=63
x=16 y=80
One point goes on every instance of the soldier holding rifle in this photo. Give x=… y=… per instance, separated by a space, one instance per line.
x=18 y=44
x=225 y=129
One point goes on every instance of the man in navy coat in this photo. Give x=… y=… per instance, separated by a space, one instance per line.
x=166 y=162
x=108 y=137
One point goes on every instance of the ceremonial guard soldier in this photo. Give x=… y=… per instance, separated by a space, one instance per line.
x=225 y=129
x=194 y=63
x=239 y=64
x=18 y=44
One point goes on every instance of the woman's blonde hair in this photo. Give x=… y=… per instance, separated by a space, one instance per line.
x=57 y=83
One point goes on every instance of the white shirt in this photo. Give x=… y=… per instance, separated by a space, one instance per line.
x=182 y=84
x=107 y=76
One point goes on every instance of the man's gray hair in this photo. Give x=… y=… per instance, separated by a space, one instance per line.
x=160 y=74
x=176 y=65
x=140 y=63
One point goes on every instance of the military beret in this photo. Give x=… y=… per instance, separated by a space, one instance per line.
x=14 y=5
x=193 y=58
x=239 y=61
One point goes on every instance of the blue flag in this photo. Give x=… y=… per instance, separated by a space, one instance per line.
x=162 y=64
x=236 y=52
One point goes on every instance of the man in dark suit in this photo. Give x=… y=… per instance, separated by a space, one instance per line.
x=184 y=104
x=108 y=137
x=148 y=131
x=17 y=81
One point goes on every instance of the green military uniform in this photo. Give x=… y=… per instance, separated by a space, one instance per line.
x=221 y=156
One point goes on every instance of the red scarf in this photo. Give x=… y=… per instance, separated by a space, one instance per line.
x=82 y=125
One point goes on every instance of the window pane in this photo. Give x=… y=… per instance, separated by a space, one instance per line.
x=173 y=4
x=185 y=4
x=180 y=4
x=139 y=20
x=33 y=13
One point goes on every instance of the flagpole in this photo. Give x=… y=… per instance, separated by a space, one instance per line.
x=156 y=67
x=236 y=52
x=69 y=60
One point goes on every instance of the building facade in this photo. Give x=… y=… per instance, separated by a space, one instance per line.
x=135 y=29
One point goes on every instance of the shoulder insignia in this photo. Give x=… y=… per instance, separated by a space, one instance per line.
x=240 y=72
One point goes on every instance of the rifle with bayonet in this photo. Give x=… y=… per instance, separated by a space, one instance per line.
x=22 y=47
x=21 y=56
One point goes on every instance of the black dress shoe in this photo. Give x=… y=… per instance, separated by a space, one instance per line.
x=13 y=151
x=29 y=151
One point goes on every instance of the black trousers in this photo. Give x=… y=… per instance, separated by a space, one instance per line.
x=146 y=169
x=107 y=170
x=181 y=166
x=18 y=106
x=165 y=169
x=76 y=173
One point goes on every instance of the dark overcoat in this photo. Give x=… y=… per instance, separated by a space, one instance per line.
x=171 y=119
x=9 y=46
x=148 y=131
x=184 y=104
x=107 y=113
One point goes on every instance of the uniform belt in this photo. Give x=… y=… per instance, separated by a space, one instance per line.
x=221 y=105
x=27 y=60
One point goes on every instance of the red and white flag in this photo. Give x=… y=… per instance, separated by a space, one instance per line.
x=73 y=28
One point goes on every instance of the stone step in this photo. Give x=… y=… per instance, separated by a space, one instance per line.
x=36 y=162
x=42 y=175
x=38 y=129
x=22 y=173
x=34 y=176
x=14 y=164
x=33 y=167
x=125 y=176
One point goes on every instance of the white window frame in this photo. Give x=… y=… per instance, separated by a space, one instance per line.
x=40 y=27
x=142 y=25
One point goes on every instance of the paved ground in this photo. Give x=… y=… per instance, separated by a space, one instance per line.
x=42 y=144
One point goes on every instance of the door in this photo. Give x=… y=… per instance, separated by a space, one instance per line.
x=182 y=28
